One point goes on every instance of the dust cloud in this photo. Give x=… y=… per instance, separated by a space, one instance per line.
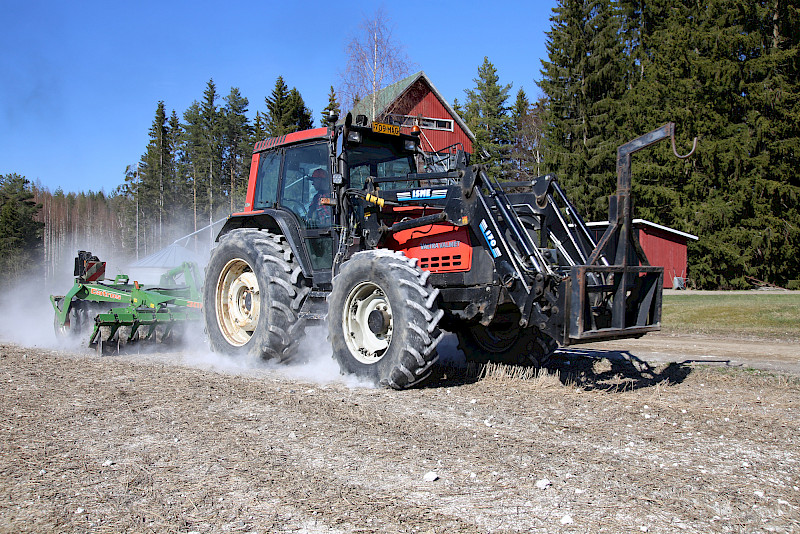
x=27 y=319
x=313 y=362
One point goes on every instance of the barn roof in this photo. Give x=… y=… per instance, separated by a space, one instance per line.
x=392 y=93
x=643 y=222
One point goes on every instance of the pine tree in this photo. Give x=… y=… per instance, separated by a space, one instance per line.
x=487 y=116
x=238 y=147
x=457 y=108
x=203 y=142
x=20 y=233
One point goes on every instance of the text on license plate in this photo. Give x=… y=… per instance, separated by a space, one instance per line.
x=391 y=129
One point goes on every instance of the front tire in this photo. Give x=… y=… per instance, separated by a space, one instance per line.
x=383 y=319
x=252 y=295
x=505 y=341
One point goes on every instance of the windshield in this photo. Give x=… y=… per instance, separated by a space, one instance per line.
x=379 y=159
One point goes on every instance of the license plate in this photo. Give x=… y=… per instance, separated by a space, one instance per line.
x=391 y=129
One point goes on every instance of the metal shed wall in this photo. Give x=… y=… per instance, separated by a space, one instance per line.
x=664 y=247
x=665 y=250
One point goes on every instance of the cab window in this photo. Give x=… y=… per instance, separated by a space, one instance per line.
x=382 y=160
x=302 y=187
x=269 y=166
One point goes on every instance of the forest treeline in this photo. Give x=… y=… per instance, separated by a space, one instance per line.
x=725 y=71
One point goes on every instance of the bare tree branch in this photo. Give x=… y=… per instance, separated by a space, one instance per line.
x=374 y=61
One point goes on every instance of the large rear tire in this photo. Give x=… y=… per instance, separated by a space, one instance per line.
x=252 y=295
x=383 y=319
x=505 y=341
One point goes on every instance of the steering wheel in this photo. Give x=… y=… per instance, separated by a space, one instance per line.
x=297 y=207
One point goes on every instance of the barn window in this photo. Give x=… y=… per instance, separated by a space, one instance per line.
x=424 y=122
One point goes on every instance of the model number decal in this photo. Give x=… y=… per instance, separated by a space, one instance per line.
x=441 y=244
x=490 y=239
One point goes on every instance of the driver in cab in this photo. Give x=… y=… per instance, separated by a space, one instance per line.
x=320 y=213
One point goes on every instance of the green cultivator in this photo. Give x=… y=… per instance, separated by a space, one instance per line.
x=116 y=314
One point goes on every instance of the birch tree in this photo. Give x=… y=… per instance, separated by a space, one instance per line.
x=374 y=61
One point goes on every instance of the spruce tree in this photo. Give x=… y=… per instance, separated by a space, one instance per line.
x=487 y=116
x=723 y=71
x=772 y=100
x=260 y=127
x=211 y=150
x=179 y=196
x=154 y=172
x=286 y=111
x=333 y=106
x=583 y=79
x=298 y=117
x=277 y=109
x=192 y=141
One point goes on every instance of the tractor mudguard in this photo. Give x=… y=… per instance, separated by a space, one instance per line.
x=277 y=222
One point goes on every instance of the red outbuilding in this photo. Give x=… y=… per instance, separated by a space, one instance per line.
x=664 y=247
x=415 y=100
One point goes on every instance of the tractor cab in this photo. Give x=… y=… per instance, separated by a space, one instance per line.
x=298 y=182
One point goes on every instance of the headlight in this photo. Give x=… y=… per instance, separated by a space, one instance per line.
x=353 y=137
x=409 y=145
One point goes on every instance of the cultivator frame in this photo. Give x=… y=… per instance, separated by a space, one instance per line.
x=122 y=312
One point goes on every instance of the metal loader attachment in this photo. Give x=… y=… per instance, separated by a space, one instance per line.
x=114 y=314
x=630 y=293
x=544 y=259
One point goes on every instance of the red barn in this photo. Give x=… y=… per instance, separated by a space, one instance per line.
x=664 y=247
x=415 y=100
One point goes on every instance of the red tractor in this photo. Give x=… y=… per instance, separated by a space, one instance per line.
x=339 y=225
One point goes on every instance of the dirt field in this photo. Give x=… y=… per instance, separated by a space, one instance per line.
x=602 y=442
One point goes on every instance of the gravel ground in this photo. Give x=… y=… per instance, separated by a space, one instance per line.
x=604 y=441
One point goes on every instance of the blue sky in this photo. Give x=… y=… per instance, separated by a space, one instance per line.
x=81 y=80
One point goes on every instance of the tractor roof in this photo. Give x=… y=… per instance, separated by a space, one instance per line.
x=305 y=135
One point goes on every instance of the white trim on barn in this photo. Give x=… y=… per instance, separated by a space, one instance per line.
x=647 y=223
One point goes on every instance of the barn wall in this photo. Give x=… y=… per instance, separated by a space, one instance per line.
x=430 y=106
x=663 y=249
x=666 y=250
